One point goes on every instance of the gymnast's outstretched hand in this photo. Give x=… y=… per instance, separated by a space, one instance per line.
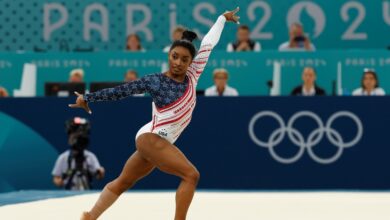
x=231 y=15
x=81 y=103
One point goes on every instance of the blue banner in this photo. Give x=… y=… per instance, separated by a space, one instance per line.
x=248 y=72
x=59 y=25
x=236 y=143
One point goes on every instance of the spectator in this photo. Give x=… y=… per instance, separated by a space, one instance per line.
x=131 y=75
x=76 y=76
x=243 y=42
x=176 y=35
x=220 y=87
x=298 y=41
x=309 y=87
x=75 y=168
x=369 y=85
x=133 y=43
x=3 y=92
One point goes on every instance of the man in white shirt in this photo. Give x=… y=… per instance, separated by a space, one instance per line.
x=220 y=87
x=298 y=41
x=243 y=42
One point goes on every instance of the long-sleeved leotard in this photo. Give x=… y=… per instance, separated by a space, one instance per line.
x=173 y=102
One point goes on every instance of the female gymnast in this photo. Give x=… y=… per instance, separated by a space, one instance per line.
x=173 y=94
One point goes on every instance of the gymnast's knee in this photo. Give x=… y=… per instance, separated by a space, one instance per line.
x=192 y=176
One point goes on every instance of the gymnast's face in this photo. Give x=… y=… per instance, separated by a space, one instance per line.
x=179 y=60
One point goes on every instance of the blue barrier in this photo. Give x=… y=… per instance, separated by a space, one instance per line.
x=236 y=143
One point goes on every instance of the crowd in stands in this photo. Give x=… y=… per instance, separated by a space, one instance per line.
x=297 y=41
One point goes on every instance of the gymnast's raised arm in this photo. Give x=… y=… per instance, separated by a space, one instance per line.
x=210 y=41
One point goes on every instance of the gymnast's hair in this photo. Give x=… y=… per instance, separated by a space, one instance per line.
x=186 y=42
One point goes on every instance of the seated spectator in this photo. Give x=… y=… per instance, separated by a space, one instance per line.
x=3 y=92
x=132 y=75
x=133 y=43
x=243 y=42
x=220 y=87
x=369 y=85
x=176 y=35
x=76 y=76
x=298 y=41
x=309 y=87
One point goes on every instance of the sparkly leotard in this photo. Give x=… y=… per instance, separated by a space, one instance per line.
x=173 y=102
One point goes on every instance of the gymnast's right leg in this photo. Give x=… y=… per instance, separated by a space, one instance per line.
x=135 y=169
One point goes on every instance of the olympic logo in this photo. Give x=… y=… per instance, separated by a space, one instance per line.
x=313 y=138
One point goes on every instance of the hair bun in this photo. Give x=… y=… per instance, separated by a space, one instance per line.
x=189 y=35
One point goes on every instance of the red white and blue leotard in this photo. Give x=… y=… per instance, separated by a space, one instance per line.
x=173 y=102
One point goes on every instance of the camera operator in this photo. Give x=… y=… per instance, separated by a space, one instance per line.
x=77 y=167
x=298 y=40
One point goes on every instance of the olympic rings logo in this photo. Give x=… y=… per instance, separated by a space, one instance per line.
x=313 y=138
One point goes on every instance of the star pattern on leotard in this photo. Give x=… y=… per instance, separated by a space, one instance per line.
x=162 y=89
x=169 y=91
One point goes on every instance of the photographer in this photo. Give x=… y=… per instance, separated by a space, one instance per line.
x=77 y=167
x=298 y=40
